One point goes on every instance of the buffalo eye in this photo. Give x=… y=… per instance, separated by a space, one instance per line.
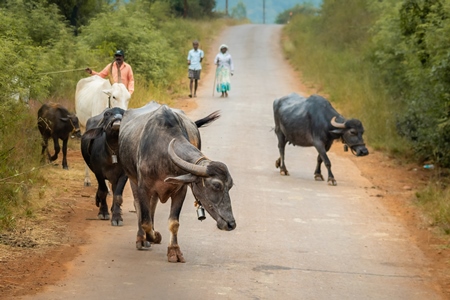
x=217 y=185
x=353 y=132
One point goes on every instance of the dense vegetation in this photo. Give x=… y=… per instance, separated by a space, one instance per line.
x=47 y=44
x=387 y=63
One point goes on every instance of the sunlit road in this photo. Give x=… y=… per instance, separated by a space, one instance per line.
x=295 y=238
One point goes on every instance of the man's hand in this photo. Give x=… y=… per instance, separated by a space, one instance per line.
x=88 y=70
x=189 y=62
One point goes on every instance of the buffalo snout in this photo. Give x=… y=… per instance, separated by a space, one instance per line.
x=76 y=134
x=226 y=225
x=362 y=151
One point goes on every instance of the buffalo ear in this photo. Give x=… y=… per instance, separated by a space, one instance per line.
x=108 y=92
x=93 y=133
x=337 y=131
x=188 y=178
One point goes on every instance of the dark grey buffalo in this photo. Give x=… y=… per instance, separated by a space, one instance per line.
x=100 y=150
x=55 y=121
x=314 y=122
x=160 y=152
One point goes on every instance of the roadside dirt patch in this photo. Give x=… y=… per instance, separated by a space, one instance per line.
x=34 y=255
x=394 y=187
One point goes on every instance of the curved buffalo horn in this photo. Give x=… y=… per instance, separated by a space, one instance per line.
x=337 y=125
x=110 y=77
x=187 y=166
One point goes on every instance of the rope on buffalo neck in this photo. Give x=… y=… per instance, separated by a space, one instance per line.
x=113 y=155
x=73 y=126
x=47 y=122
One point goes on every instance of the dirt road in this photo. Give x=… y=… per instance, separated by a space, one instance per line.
x=295 y=238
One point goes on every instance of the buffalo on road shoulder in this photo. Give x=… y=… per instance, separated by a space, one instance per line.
x=314 y=122
x=160 y=153
x=55 y=121
x=100 y=150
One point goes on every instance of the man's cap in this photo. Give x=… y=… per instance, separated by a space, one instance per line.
x=119 y=53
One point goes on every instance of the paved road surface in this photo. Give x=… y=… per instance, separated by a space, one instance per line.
x=295 y=238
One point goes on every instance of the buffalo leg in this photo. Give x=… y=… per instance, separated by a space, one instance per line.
x=64 y=151
x=100 y=199
x=174 y=253
x=153 y=236
x=141 y=204
x=279 y=163
x=57 y=149
x=117 y=187
x=87 y=176
x=324 y=157
x=318 y=173
x=44 y=152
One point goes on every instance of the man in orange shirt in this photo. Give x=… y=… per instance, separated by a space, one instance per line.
x=126 y=72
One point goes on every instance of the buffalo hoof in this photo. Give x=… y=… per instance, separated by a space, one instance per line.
x=318 y=177
x=116 y=223
x=277 y=163
x=156 y=240
x=142 y=245
x=284 y=173
x=65 y=167
x=174 y=254
x=332 y=182
x=101 y=216
x=87 y=183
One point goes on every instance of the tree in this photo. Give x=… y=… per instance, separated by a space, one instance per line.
x=239 y=11
x=79 y=12
x=304 y=9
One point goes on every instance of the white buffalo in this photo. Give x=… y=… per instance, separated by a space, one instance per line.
x=93 y=95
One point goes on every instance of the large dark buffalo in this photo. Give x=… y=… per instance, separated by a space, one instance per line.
x=160 y=153
x=314 y=122
x=100 y=150
x=55 y=121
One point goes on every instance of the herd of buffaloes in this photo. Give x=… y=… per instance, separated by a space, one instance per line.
x=116 y=141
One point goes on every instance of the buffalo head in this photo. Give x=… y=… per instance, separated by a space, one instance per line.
x=75 y=124
x=351 y=132
x=210 y=183
x=110 y=123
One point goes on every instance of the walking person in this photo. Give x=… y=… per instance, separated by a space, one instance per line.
x=225 y=70
x=194 y=58
x=126 y=72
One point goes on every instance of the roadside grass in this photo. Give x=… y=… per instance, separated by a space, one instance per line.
x=434 y=199
x=19 y=163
